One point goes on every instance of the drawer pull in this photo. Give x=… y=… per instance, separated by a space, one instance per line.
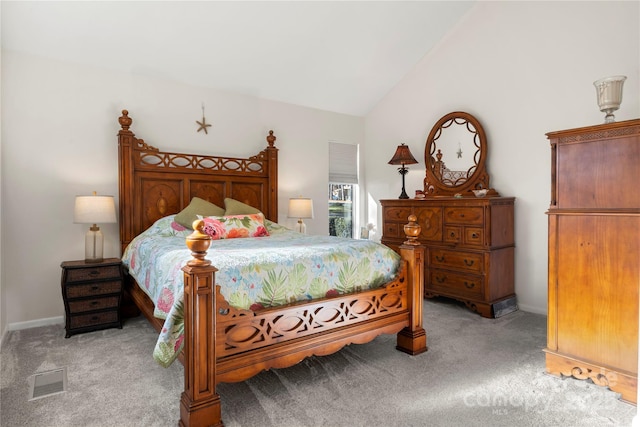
x=94 y=273
x=474 y=235
x=95 y=288
x=453 y=234
x=441 y=279
x=468 y=263
x=94 y=318
x=439 y=258
x=94 y=303
x=469 y=285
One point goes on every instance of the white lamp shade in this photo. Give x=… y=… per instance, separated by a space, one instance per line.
x=300 y=207
x=94 y=210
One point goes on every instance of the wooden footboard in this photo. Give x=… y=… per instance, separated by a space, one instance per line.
x=246 y=342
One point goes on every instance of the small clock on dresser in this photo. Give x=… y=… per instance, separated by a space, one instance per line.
x=92 y=293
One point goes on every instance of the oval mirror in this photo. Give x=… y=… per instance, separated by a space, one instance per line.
x=455 y=154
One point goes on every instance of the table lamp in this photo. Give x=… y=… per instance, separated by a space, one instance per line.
x=301 y=207
x=403 y=157
x=93 y=210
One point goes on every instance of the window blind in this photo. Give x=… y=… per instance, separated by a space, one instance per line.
x=343 y=163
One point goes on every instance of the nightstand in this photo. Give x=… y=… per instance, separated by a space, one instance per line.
x=92 y=292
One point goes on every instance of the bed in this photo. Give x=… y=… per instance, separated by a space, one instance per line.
x=222 y=341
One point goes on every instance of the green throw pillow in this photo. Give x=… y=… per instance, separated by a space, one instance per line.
x=234 y=207
x=200 y=207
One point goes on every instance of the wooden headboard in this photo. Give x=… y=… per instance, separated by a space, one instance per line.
x=154 y=184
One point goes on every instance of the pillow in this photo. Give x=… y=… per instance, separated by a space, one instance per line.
x=234 y=207
x=197 y=207
x=235 y=226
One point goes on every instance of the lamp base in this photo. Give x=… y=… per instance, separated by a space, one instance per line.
x=301 y=227
x=403 y=171
x=93 y=244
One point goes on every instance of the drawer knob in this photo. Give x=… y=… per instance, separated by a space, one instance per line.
x=453 y=234
x=468 y=262
x=441 y=279
x=469 y=285
x=95 y=288
x=474 y=235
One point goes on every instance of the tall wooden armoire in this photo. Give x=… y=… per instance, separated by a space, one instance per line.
x=594 y=255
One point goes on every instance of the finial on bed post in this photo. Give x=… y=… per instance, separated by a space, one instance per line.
x=271 y=139
x=125 y=120
x=412 y=231
x=198 y=242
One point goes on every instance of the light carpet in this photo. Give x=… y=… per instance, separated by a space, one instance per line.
x=477 y=372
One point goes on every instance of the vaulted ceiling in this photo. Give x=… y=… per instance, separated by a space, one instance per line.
x=340 y=56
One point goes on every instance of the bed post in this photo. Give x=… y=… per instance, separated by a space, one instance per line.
x=413 y=338
x=125 y=181
x=199 y=402
x=272 y=162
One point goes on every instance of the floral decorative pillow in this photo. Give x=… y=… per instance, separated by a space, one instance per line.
x=235 y=226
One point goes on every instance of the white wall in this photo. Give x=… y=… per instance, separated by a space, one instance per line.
x=59 y=127
x=523 y=69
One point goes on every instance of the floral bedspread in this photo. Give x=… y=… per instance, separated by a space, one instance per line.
x=253 y=272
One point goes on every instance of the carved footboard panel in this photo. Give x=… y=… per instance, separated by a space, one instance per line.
x=243 y=335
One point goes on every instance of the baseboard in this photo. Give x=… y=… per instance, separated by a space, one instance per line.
x=531 y=309
x=30 y=324
x=36 y=323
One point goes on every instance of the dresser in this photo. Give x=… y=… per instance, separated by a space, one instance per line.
x=469 y=247
x=594 y=255
x=92 y=292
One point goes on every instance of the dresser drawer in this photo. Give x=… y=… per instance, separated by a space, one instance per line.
x=93 y=289
x=473 y=236
x=391 y=229
x=79 y=306
x=440 y=258
x=397 y=214
x=93 y=319
x=447 y=283
x=464 y=215
x=91 y=274
x=452 y=234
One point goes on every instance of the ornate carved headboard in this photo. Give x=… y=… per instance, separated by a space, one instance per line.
x=154 y=184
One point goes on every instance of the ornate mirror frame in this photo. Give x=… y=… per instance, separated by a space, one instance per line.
x=440 y=181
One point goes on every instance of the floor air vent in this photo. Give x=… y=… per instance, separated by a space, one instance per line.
x=44 y=384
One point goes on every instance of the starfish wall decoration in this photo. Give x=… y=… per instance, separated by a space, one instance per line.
x=203 y=124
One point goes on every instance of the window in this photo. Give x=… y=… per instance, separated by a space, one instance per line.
x=343 y=189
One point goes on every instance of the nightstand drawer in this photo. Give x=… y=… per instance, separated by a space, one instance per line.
x=93 y=273
x=93 y=319
x=93 y=289
x=79 y=306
